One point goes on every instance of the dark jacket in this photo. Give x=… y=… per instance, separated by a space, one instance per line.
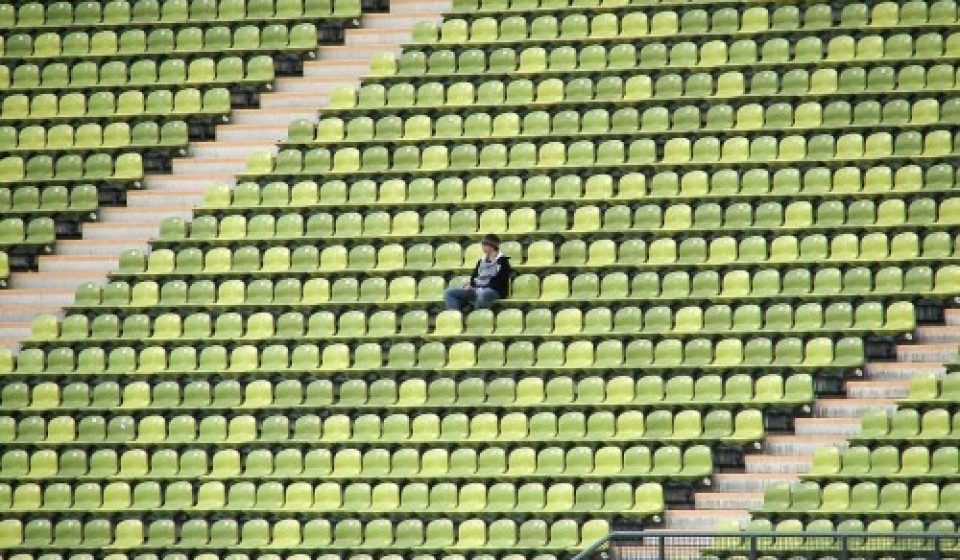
x=500 y=280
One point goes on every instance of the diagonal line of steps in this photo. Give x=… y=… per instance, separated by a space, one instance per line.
x=833 y=420
x=96 y=254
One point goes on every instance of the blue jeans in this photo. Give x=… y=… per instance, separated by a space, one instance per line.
x=480 y=298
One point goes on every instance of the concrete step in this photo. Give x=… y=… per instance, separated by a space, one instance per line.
x=889 y=371
x=183 y=181
x=244 y=132
x=100 y=247
x=211 y=165
x=952 y=316
x=315 y=84
x=799 y=445
x=933 y=352
x=376 y=36
x=123 y=230
x=166 y=198
x=700 y=519
x=27 y=312
x=418 y=6
x=156 y=214
x=232 y=149
x=782 y=463
x=71 y=263
x=750 y=482
x=880 y=389
x=393 y=21
x=728 y=500
x=54 y=280
x=352 y=62
x=273 y=116
x=938 y=334
x=844 y=427
x=305 y=100
x=14 y=330
x=847 y=408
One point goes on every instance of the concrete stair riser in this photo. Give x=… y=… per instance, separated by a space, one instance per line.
x=728 y=500
x=102 y=247
x=200 y=166
x=322 y=84
x=293 y=100
x=927 y=352
x=54 y=280
x=902 y=371
x=70 y=264
x=799 y=445
x=701 y=519
x=777 y=464
x=157 y=198
x=749 y=482
x=272 y=117
x=14 y=331
x=880 y=389
x=180 y=182
x=949 y=333
x=230 y=149
x=245 y=132
x=827 y=426
x=847 y=408
x=392 y=21
x=377 y=36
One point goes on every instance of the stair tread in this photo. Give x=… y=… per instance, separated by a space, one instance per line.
x=854 y=400
x=824 y=420
x=805 y=438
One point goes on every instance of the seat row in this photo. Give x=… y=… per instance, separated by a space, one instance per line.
x=604 y=462
x=926 y=388
x=159 y=42
x=723 y=20
x=720 y=253
x=339 y=429
x=104 y=105
x=510 y=323
x=857 y=282
x=60 y=15
x=345 y=535
x=455 y=96
x=144 y=73
x=628 y=120
x=125 y=167
x=656 y=55
x=885 y=462
x=862 y=498
x=459 y=357
x=729 y=184
x=386 y=497
x=416 y=393
x=93 y=136
x=907 y=425
x=16 y=233
x=680 y=151
x=647 y=219
x=49 y=199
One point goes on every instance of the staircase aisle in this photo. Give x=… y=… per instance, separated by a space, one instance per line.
x=91 y=258
x=784 y=457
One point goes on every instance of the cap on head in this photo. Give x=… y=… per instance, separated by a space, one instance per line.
x=491 y=240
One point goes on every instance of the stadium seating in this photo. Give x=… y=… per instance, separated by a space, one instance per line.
x=711 y=206
x=95 y=94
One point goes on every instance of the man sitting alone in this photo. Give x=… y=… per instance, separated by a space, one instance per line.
x=489 y=281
